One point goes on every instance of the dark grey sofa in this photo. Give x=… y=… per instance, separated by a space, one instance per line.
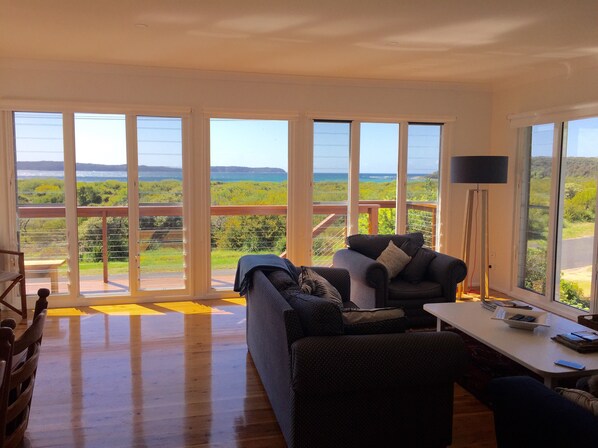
x=373 y=390
x=528 y=414
x=371 y=286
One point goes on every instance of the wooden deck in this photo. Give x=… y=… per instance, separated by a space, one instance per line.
x=119 y=284
x=168 y=375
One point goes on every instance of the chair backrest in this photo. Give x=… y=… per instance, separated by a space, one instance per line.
x=22 y=379
x=7 y=339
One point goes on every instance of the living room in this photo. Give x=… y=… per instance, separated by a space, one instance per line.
x=482 y=71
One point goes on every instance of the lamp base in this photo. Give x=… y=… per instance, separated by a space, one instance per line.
x=472 y=195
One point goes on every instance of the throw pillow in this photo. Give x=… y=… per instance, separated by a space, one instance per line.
x=410 y=248
x=281 y=280
x=374 y=321
x=318 y=316
x=313 y=283
x=415 y=271
x=584 y=399
x=393 y=259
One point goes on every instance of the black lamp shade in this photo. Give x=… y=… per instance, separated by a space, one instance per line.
x=479 y=169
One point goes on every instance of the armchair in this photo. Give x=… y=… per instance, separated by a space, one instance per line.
x=371 y=286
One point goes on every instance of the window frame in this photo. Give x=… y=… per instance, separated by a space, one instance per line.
x=523 y=123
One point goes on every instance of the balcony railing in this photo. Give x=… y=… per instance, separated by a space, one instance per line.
x=421 y=216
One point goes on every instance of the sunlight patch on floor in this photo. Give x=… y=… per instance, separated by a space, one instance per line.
x=126 y=310
x=191 y=308
x=66 y=312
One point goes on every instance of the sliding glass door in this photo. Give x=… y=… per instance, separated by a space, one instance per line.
x=122 y=230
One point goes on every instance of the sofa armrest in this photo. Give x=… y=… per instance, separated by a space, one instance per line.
x=448 y=271
x=344 y=364
x=528 y=414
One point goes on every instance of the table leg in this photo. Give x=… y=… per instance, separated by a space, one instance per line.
x=54 y=281
x=438 y=324
x=549 y=382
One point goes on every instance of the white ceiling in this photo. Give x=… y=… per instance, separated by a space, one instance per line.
x=422 y=40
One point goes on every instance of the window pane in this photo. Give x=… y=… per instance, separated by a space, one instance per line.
x=423 y=166
x=579 y=165
x=332 y=142
x=161 y=244
x=103 y=224
x=379 y=152
x=40 y=199
x=537 y=187
x=248 y=188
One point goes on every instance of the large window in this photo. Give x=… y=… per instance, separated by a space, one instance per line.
x=332 y=142
x=423 y=171
x=378 y=167
x=248 y=189
x=557 y=242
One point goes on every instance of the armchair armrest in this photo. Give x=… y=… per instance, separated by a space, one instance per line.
x=343 y=364
x=363 y=269
x=448 y=271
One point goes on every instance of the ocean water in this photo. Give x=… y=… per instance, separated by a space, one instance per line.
x=99 y=176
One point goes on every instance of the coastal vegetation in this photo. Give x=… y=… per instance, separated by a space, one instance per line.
x=233 y=236
x=579 y=214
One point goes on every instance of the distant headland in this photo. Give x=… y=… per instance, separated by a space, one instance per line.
x=59 y=166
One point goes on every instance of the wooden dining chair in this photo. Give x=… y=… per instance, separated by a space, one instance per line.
x=7 y=339
x=25 y=355
x=11 y=277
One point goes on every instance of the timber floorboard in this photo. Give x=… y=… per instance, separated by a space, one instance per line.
x=150 y=376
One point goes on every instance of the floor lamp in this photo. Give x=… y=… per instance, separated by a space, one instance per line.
x=477 y=170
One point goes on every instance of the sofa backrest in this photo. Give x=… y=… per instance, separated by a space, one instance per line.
x=372 y=245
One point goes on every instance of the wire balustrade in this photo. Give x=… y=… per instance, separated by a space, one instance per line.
x=105 y=242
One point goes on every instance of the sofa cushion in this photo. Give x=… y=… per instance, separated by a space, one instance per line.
x=410 y=247
x=318 y=316
x=400 y=289
x=416 y=269
x=373 y=245
x=393 y=259
x=313 y=283
x=282 y=280
x=374 y=321
x=584 y=399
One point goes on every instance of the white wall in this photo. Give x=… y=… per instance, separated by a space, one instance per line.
x=574 y=87
x=469 y=105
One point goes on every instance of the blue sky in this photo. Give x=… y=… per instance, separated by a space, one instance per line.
x=582 y=138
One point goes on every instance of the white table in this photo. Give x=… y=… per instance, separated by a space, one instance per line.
x=532 y=349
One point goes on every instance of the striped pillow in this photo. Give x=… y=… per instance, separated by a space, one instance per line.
x=313 y=283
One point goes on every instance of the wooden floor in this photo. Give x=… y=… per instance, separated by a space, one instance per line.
x=168 y=375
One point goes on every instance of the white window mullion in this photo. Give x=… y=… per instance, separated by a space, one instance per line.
x=133 y=201
x=401 y=214
x=187 y=217
x=555 y=215
x=8 y=223
x=70 y=203
x=353 y=197
x=442 y=214
x=300 y=195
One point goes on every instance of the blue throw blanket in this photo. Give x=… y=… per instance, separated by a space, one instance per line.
x=249 y=263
